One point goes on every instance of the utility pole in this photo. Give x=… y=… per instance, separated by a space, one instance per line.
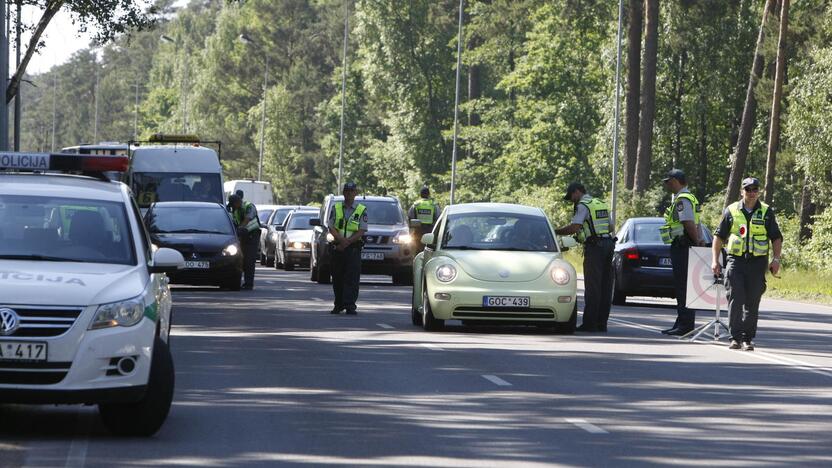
x=343 y=96
x=456 y=100
x=136 y=115
x=263 y=118
x=95 y=124
x=617 y=118
x=54 y=105
x=17 y=106
x=4 y=81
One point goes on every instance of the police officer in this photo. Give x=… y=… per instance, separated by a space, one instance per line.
x=426 y=211
x=591 y=223
x=747 y=228
x=682 y=231
x=347 y=224
x=245 y=217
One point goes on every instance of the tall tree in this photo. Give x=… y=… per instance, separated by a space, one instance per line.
x=633 y=89
x=774 y=131
x=648 y=97
x=749 y=110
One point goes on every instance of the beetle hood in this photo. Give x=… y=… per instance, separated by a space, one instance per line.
x=503 y=266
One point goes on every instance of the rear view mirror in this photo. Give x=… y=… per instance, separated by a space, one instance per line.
x=427 y=239
x=415 y=224
x=166 y=261
x=567 y=242
x=315 y=222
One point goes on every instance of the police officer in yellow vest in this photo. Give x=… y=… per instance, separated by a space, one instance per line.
x=426 y=211
x=245 y=217
x=747 y=228
x=682 y=231
x=591 y=223
x=347 y=224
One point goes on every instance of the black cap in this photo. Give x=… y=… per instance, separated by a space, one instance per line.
x=750 y=182
x=234 y=198
x=240 y=193
x=424 y=190
x=350 y=186
x=571 y=188
x=675 y=174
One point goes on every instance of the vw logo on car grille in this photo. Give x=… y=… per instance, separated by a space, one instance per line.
x=503 y=273
x=9 y=322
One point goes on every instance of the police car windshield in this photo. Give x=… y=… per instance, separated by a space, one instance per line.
x=152 y=187
x=195 y=220
x=498 y=231
x=65 y=229
x=382 y=212
x=300 y=221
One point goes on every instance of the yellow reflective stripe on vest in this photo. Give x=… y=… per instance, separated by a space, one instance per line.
x=598 y=222
x=253 y=224
x=674 y=228
x=352 y=226
x=425 y=211
x=747 y=238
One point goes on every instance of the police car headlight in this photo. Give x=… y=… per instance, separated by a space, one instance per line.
x=118 y=314
x=330 y=237
x=403 y=238
x=560 y=275
x=446 y=273
x=231 y=250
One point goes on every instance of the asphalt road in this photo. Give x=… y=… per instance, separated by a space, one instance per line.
x=269 y=378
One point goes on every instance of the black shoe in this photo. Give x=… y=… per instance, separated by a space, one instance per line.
x=352 y=312
x=734 y=344
x=586 y=328
x=679 y=331
x=602 y=328
x=667 y=331
x=336 y=310
x=748 y=346
x=247 y=287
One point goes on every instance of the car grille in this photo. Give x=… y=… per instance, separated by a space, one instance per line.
x=32 y=373
x=45 y=321
x=503 y=313
x=376 y=240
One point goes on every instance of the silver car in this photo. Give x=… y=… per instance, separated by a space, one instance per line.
x=294 y=241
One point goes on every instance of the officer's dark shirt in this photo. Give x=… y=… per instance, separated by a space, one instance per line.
x=723 y=231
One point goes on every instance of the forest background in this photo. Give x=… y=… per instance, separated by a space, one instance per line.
x=537 y=101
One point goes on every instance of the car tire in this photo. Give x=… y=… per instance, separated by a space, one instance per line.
x=313 y=272
x=618 y=297
x=415 y=317
x=263 y=259
x=146 y=416
x=232 y=283
x=270 y=261
x=288 y=266
x=429 y=322
x=568 y=328
x=278 y=265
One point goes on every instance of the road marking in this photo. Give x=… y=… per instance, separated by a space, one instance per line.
x=385 y=326
x=496 y=380
x=591 y=428
x=77 y=455
x=627 y=323
x=432 y=346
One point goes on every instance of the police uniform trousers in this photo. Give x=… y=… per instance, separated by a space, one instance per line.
x=745 y=283
x=250 y=243
x=597 y=282
x=679 y=251
x=346 y=276
x=418 y=233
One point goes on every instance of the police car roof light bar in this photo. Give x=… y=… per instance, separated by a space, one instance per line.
x=62 y=162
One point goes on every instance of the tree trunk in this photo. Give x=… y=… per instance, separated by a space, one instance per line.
x=774 y=130
x=648 y=97
x=807 y=210
x=680 y=92
x=52 y=8
x=702 y=189
x=750 y=108
x=633 y=90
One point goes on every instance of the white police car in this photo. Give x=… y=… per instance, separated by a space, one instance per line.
x=84 y=302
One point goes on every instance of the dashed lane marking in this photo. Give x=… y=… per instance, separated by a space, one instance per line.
x=432 y=346
x=385 y=326
x=591 y=428
x=496 y=380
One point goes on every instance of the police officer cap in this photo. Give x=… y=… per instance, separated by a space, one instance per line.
x=675 y=174
x=350 y=186
x=234 y=198
x=424 y=190
x=240 y=194
x=750 y=182
x=571 y=188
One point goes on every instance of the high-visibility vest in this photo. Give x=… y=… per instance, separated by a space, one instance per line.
x=239 y=214
x=352 y=225
x=425 y=211
x=598 y=222
x=674 y=228
x=745 y=239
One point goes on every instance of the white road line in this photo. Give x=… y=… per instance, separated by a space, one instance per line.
x=77 y=455
x=496 y=380
x=591 y=428
x=635 y=325
x=432 y=346
x=385 y=326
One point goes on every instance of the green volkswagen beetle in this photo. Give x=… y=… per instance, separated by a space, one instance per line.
x=494 y=263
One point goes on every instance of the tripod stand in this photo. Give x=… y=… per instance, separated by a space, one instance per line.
x=717 y=320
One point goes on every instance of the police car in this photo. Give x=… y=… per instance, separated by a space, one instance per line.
x=84 y=302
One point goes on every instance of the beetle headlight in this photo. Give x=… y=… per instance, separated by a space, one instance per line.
x=231 y=250
x=560 y=275
x=118 y=314
x=446 y=273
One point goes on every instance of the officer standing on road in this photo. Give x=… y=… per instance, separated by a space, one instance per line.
x=591 y=223
x=746 y=228
x=427 y=212
x=682 y=231
x=347 y=224
x=248 y=231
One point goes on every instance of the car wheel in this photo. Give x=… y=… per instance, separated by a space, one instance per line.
x=415 y=317
x=288 y=266
x=618 y=297
x=568 y=328
x=144 y=417
x=278 y=259
x=313 y=272
x=270 y=260
x=263 y=259
x=429 y=322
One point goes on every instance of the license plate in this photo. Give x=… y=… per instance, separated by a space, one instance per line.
x=198 y=265
x=665 y=261
x=506 y=301
x=372 y=255
x=22 y=351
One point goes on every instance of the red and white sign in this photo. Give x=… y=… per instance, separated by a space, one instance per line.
x=702 y=291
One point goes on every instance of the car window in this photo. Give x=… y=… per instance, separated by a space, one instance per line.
x=280 y=216
x=300 y=221
x=65 y=229
x=647 y=233
x=264 y=215
x=498 y=231
x=383 y=212
x=152 y=187
x=190 y=219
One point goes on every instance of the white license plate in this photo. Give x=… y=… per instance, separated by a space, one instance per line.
x=198 y=265
x=22 y=351
x=506 y=301
x=372 y=255
x=665 y=261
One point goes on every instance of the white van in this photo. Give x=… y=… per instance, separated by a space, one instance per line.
x=174 y=168
x=254 y=191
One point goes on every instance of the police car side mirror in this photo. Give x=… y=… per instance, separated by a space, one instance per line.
x=567 y=243
x=279 y=227
x=415 y=224
x=427 y=239
x=166 y=261
x=314 y=221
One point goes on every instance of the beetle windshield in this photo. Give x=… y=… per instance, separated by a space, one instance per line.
x=498 y=231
